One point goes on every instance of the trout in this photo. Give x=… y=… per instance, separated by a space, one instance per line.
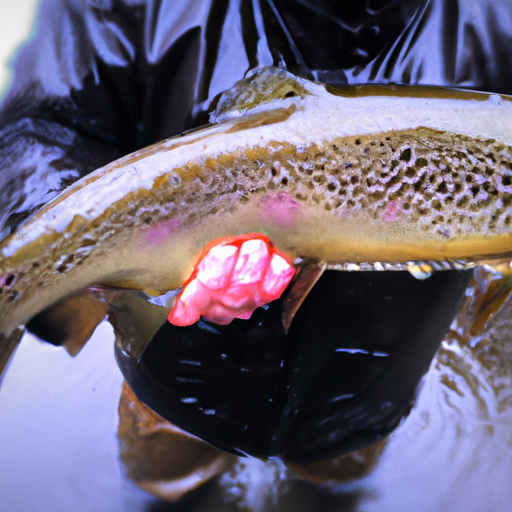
x=380 y=177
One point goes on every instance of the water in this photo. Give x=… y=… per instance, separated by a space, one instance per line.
x=58 y=420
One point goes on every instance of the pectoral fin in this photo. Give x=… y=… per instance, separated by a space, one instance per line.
x=494 y=289
x=135 y=322
x=71 y=322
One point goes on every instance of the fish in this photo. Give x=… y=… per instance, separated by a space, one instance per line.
x=353 y=177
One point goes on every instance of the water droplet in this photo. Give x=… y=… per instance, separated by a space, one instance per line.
x=188 y=400
x=353 y=351
x=420 y=272
x=345 y=396
x=188 y=361
x=189 y=381
x=495 y=99
x=164 y=299
x=175 y=180
x=380 y=354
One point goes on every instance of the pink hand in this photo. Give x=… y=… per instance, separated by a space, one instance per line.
x=234 y=276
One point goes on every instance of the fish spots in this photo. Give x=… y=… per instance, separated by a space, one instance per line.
x=405 y=155
x=442 y=181
x=7 y=281
x=64 y=263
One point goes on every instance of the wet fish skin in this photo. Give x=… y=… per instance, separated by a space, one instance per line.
x=346 y=175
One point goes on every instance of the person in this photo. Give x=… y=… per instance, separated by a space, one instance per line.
x=102 y=78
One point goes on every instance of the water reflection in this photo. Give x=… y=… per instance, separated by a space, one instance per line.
x=58 y=421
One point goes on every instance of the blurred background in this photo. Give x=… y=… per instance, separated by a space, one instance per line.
x=16 y=26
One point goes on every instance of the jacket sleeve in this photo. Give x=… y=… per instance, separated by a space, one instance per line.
x=72 y=106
